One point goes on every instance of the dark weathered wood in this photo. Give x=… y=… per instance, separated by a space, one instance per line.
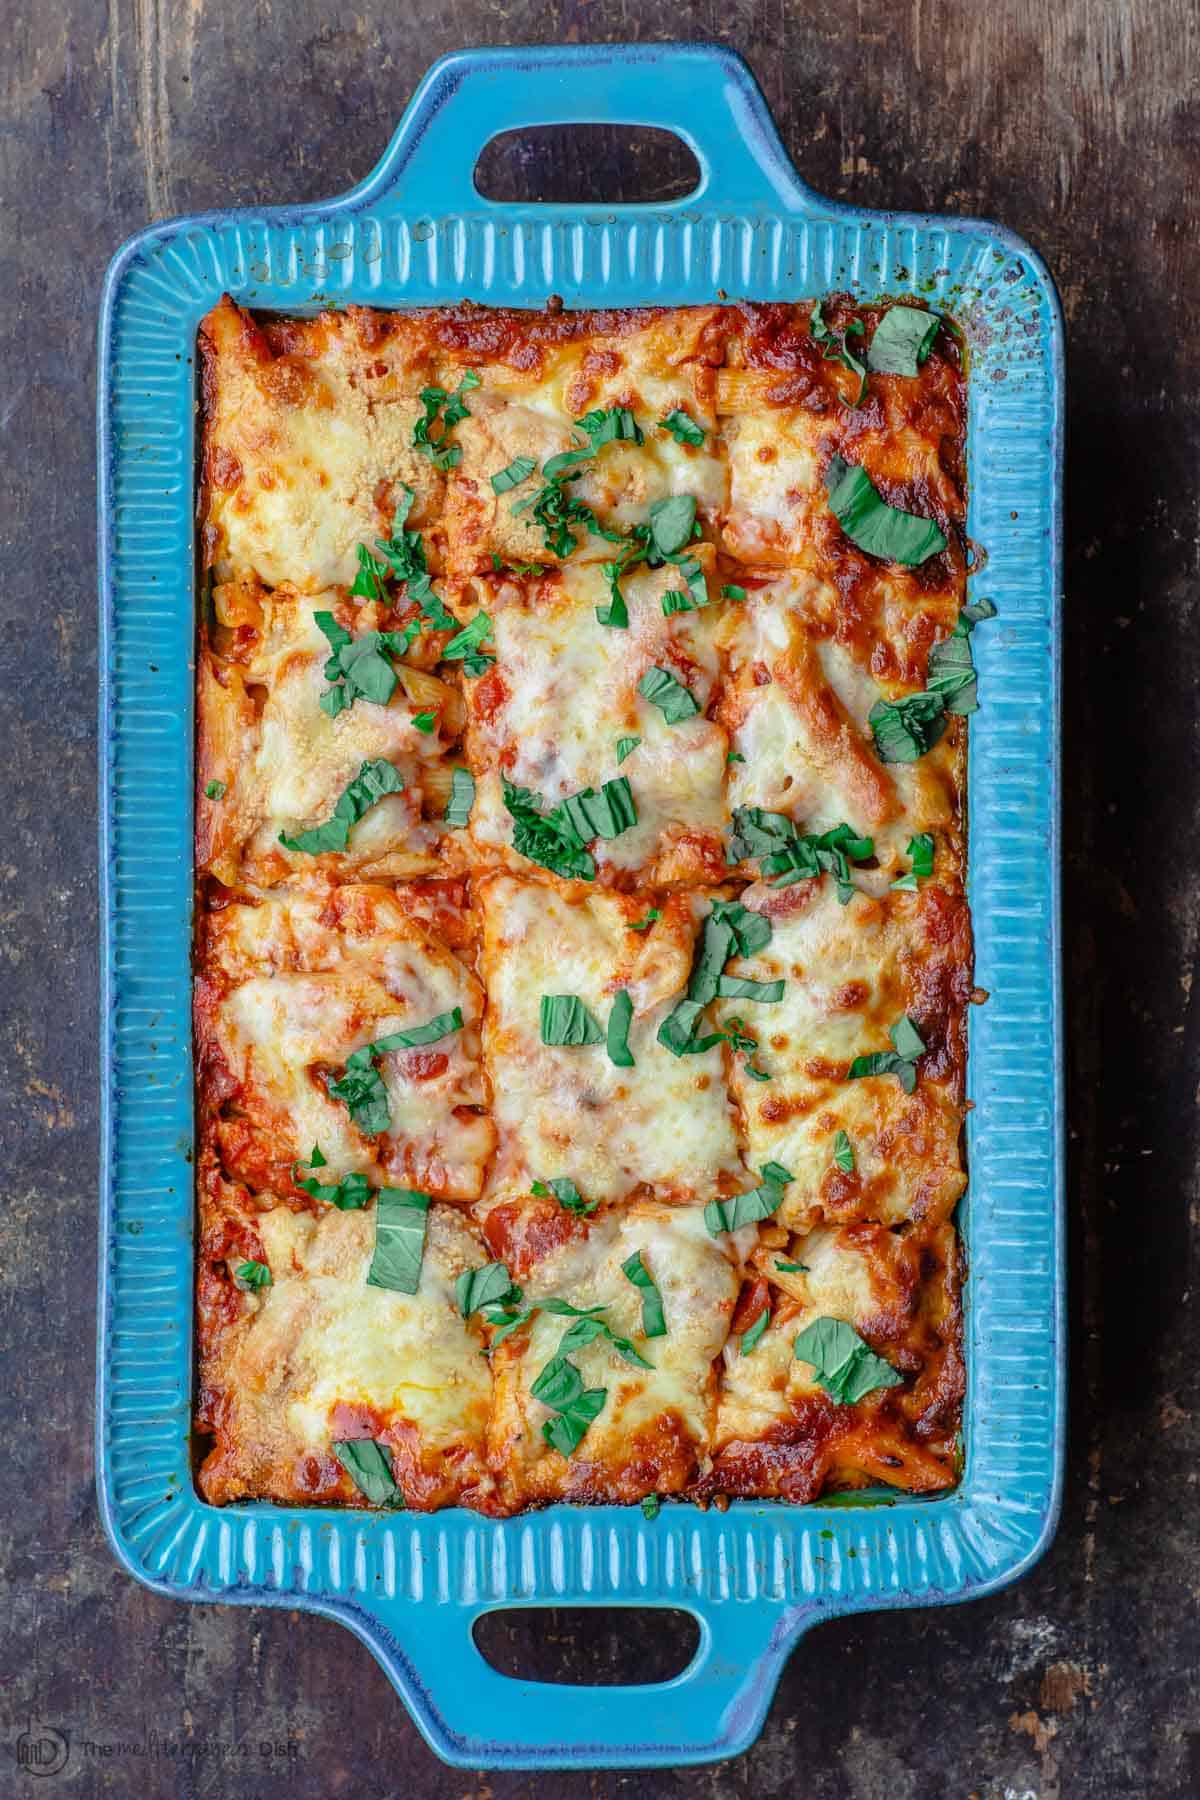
x=1078 y=124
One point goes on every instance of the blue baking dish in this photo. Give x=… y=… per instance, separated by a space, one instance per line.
x=758 y=1575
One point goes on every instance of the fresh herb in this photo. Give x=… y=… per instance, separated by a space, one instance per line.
x=560 y=1387
x=611 y=424
x=566 y=1020
x=517 y=471
x=567 y=1195
x=905 y=729
x=682 y=428
x=734 y=756
x=446 y=409
x=667 y=692
x=740 y=987
x=507 y=1320
x=254 y=1275
x=835 y=348
x=920 y=852
x=749 y=1208
x=616 y=613
x=844 y=1366
x=731 y=591
x=952 y=672
x=359 y=666
x=369 y=1466
x=672 y=524
x=902 y=340
x=654 y=1321
x=500 y=567
x=739 y=1039
x=399 y=558
x=791 y=856
x=373 y=781
x=588 y=1326
x=751 y=1337
x=868 y=521
x=401 y=1218
x=626 y=747
x=651 y=1506
x=347 y=1195
x=556 y=511
x=617 y=1039
x=605 y=814
x=900 y=1061
x=363 y=1088
x=843 y=1153
x=729 y=928
x=424 y=721
x=645 y=923
x=462 y=798
x=548 y=839
x=216 y=790
x=464 y=647
x=484 y=1288
x=792 y=1268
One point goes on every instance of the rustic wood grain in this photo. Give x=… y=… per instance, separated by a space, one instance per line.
x=1079 y=125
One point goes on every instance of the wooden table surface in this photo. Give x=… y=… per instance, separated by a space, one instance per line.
x=1076 y=123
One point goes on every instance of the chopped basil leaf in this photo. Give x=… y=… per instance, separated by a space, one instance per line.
x=920 y=851
x=900 y=1061
x=216 y=790
x=316 y=1160
x=905 y=729
x=359 y=665
x=668 y=693
x=740 y=987
x=464 y=648
x=751 y=1337
x=843 y=1153
x=654 y=1321
x=492 y=1285
x=617 y=1039
x=605 y=814
x=739 y=1039
x=951 y=664
x=401 y=1218
x=682 y=428
x=697 y=587
x=548 y=839
x=977 y=611
x=608 y=424
x=672 y=522
x=447 y=409
x=566 y=1020
x=462 y=797
x=626 y=747
x=792 y=1268
x=254 y=1275
x=676 y=601
x=731 y=591
x=369 y=1466
x=790 y=856
x=748 y=1208
x=837 y=349
x=902 y=340
x=647 y=922
x=440 y=1026
x=868 y=521
x=517 y=471
x=560 y=1387
x=733 y=756
x=567 y=1195
x=651 y=1506
x=729 y=927
x=587 y=1328
x=363 y=1088
x=844 y=1366
x=616 y=613
x=373 y=781
x=424 y=721
x=348 y=1195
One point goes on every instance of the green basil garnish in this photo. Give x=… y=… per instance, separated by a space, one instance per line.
x=902 y=340
x=682 y=428
x=616 y=613
x=654 y=1320
x=446 y=409
x=843 y=1153
x=900 y=1061
x=749 y=1208
x=254 y=1275
x=667 y=692
x=672 y=523
x=548 y=839
x=363 y=1088
x=464 y=647
x=791 y=856
x=462 y=798
x=751 y=1337
x=369 y=1466
x=215 y=790
x=868 y=521
x=401 y=1219
x=626 y=747
x=617 y=1038
x=645 y=923
x=373 y=781
x=348 y=1195
x=566 y=1020
x=605 y=814
x=844 y=1366
x=567 y=1195
x=517 y=471
x=920 y=852
x=489 y=1286
x=905 y=729
x=560 y=1387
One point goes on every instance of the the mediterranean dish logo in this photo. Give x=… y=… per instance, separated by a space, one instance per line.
x=43 y=1750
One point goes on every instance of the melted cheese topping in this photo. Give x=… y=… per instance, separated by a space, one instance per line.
x=319 y=1355
x=308 y=452
x=655 y=1425
x=277 y=1038
x=565 y=692
x=564 y=1111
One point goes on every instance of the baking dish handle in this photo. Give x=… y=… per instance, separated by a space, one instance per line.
x=475 y=1717
x=702 y=92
